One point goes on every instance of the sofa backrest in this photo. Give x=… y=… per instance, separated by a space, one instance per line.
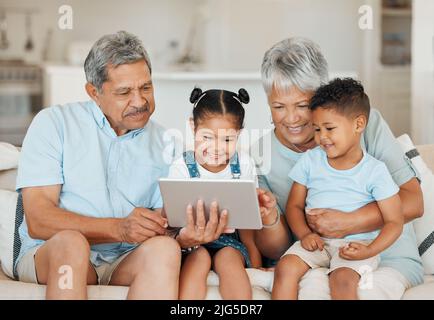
x=427 y=153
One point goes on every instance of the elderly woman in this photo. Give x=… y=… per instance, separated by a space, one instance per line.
x=291 y=71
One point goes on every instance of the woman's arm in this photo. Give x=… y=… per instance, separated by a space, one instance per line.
x=247 y=238
x=336 y=224
x=274 y=240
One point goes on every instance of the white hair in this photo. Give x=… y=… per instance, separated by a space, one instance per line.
x=294 y=62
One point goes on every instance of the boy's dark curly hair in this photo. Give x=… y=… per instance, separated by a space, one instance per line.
x=345 y=96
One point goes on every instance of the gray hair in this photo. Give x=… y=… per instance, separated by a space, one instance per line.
x=113 y=49
x=294 y=62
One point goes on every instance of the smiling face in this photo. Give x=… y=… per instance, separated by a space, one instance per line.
x=336 y=134
x=127 y=97
x=215 y=141
x=292 y=117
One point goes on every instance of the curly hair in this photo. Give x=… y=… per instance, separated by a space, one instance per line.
x=346 y=96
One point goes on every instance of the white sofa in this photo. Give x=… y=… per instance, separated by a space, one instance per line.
x=261 y=280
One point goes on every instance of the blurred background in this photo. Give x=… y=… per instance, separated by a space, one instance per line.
x=217 y=43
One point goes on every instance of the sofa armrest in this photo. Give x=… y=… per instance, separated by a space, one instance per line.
x=8 y=179
x=427 y=153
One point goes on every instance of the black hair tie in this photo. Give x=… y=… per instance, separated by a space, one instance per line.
x=195 y=95
x=243 y=96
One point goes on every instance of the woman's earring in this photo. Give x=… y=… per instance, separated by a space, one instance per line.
x=271 y=119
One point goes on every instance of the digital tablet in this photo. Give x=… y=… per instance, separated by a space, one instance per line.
x=239 y=197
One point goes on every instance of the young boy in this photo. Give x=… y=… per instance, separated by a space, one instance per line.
x=339 y=175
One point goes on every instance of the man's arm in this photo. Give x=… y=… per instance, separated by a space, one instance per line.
x=44 y=219
x=335 y=224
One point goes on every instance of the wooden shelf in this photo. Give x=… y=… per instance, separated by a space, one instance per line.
x=395 y=68
x=397 y=12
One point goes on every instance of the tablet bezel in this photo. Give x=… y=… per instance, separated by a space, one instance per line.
x=178 y=193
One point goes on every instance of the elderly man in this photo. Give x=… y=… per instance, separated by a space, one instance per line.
x=88 y=175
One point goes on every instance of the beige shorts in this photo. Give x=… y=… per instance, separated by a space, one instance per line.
x=329 y=257
x=384 y=283
x=26 y=268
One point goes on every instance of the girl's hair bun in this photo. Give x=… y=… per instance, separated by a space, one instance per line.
x=195 y=95
x=243 y=96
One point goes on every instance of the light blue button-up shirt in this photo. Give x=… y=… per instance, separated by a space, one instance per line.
x=102 y=175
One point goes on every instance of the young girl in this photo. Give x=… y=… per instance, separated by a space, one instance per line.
x=218 y=117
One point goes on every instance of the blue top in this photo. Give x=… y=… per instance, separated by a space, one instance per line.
x=102 y=175
x=274 y=161
x=344 y=190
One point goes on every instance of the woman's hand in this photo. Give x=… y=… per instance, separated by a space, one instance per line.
x=355 y=251
x=267 y=205
x=329 y=223
x=198 y=231
x=312 y=242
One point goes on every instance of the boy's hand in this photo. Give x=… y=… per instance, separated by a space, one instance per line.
x=355 y=251
x=312 y=242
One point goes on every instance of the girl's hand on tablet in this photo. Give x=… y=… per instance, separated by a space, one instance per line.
x=199 y=231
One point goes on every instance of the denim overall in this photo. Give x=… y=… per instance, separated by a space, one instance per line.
x=229 y=239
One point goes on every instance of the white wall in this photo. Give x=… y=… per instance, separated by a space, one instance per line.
x=423 y=72
x=243 y=30
x=233 y=34
x=155 y=22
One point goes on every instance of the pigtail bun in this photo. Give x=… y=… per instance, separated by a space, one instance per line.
x=195 y=95
x=243 y=96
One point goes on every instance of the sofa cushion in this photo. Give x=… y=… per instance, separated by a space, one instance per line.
x=424 y=291
x=424 y=226
x=2 y=275
x=8 y=232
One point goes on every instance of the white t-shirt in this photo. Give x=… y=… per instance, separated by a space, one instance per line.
x=179 y=170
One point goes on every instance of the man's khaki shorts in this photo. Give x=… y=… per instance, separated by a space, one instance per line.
x=329 y=257
x=26 y=268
